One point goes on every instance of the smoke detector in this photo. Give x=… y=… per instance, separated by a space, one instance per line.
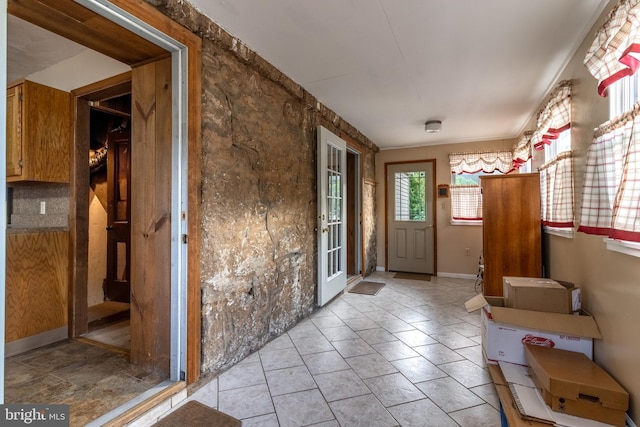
x=432 y=126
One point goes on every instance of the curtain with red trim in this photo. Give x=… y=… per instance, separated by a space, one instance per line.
x=522 y=150
x=486 y=161
x=554 y=118
x=556 y=191
x=466 y=202
x=611 y=192
x=615 y=51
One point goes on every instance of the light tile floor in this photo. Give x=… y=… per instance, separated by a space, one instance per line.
x=408 y=356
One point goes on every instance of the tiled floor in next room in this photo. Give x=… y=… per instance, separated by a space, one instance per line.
x=408 y=356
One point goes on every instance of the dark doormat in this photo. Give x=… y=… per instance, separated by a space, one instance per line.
x=412 y=276
x=367 y=288
x=196 y=414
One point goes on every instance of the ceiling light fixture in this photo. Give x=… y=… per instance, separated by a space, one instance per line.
x=432 y=126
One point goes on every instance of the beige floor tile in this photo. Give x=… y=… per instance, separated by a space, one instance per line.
x=351 y=348
x=309 y=345
x=449 y=394
x=341 y=333
x=289 y=380
x=438 y=353
x=478 y=416
x=418 y=369
x=393 y=389
x=341 y=385
x=421 y=413
x=302 y=408
x=280 y=359
x=467 y=373
x=242 y=375
x=362 y=411
x=246 y=402
x=371 y=365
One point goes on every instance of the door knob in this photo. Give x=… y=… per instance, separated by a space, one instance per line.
x=324 y=230
x=109 y=227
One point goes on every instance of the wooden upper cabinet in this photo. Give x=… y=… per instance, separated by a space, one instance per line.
x=511 y=228
x=14 y=136
x=38 y=133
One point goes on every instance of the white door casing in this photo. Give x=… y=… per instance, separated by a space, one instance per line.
x=3 y=182
x=410 y=234
x=332 y=191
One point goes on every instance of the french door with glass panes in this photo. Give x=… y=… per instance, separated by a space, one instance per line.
x=332 y=191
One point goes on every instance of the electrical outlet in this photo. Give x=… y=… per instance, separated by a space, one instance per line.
x=43 y=207
x=467 y=252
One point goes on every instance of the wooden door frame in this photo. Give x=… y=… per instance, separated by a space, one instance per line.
x=94 y=37
x=386 y=211
x=357 y=151
x=79 y=195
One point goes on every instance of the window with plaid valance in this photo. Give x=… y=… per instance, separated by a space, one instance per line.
x=556 y=191
x=611 y=195
x=611 y=191
x=554 y=118
x=466 y=200
x=615 y=50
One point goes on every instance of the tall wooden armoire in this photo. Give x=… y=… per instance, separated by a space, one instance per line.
x=511 y=228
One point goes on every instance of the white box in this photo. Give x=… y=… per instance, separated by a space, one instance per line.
x=506 y=330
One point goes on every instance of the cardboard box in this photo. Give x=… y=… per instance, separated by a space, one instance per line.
x=505 y=330
x=538 y=294
x=571 y=383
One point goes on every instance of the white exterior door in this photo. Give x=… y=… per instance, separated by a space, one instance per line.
x=410 y=205
x=332 y=216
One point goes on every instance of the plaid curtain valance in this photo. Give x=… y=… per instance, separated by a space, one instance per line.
x=615 y=50
x=487 y=161
x=555 y=116
x=522 y=150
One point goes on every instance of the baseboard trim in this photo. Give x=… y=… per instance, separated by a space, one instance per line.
x=34 y=341
x=457 y=275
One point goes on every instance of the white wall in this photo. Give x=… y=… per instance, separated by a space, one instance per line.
x=80 y=70
x=97 y=250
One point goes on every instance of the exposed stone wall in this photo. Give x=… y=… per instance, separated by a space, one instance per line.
x=258 y=254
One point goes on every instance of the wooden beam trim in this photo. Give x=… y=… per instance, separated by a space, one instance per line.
x=93 y=31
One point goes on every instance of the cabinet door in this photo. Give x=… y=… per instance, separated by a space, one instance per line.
x=14 y=131
x=37 y=281
x=39 y=133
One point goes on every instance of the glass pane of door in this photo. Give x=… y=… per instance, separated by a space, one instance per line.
x=410 y=202
x=335 y=203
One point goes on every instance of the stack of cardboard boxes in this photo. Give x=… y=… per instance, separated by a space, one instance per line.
x=539 y=323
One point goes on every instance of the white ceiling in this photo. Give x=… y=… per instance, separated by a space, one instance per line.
x=387 y=66
x=31 y=49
